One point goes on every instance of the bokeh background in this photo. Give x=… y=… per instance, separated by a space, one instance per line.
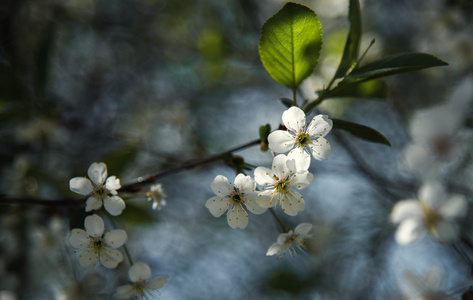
x=145 y=85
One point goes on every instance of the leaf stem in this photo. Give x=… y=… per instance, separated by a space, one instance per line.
x=283 y=228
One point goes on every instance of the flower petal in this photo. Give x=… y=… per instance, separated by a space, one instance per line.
x=303 y=228
x=217 y=205
x=81 y=185
x=139 y=272
x=433 y=194
x=446 y=231
x=267 y=199
x=245 y=184
x=301 y=158
x=237 y=217
x=262 y=176
x=157 y=282
x=294 y=119
x=114 y=205
x=125 y=292
x=88 y=258
x=97 y=173
x=320 y=126
x=292 y=203
x=115 y=238
x=252 y=205
x=94 y=225
x=110 y=258
x=276 y=249
x=406 y=209
x=221 y=186
x=280 y=141
x=280 y=166
x=409 y=231
x=455 y=206
x=301 y=180
x=79 y=238
x=93 y=203
x=320 y=149
x=112 y=184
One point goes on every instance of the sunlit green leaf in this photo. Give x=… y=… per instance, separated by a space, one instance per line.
x=394 y=64
x=352 y=45
x=290 y=44
x=361 y=131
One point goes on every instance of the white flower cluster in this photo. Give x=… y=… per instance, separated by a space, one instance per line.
x=280 y=183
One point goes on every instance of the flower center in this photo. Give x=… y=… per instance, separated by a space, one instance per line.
x=237 y=197
x=98 y=244
x=282 y=186
x=139 y=287
x=302 y=140
x=431 y=218
x=100 y=191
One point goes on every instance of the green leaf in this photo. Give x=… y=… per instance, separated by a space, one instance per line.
x=290 y=44
x=352 y=45
x=286 y=102
x=370 y=89
x=394 y=64
x=361 y=131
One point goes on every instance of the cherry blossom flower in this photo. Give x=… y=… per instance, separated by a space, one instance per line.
x=278 y=184
x=98 y=191
x=301 y=138
x=232 y=197
x=434 y=213
x=157 y=196
x=93 y=245
x=141 y=285
x=291 y=240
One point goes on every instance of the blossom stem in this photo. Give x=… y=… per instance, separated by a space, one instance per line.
x=283 y=228
x=127 y=253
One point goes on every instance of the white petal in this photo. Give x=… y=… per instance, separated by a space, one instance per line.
x=455 y=206
x=292 y=203
x=301 y=158
x=114 y=205
x=79 y=238
x=81 y=185
x=417 y=158
x=280 y=141
x=237 y=217
x=280 y=166
x=303 y=228
x=125 y=292
x=409 y=231
x=112 y=184
x=267 y=199
x=88 y=258
x=301 y=180
x=245 y=184
x=320 y=126
x=446 y=231
x=284 y=238
x=217 y=205
x=110 y=258
x=252 y=205
x=275 y=249
x=406 y=209
x=157 y=282
x=93 y=203
x=97 y=173
x=221 y=186
x=263 y=176
x=294 y=119
x=139 y=272
x=94 y=225
x=433 y=194
x=320 y=149
x=115 y=238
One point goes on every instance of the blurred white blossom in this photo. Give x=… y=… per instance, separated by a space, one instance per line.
x=100 y=188
x=157 y=196
x=433 y=213
x=291 y=240
x=94 y=245
x=279 y=183
x=141 y=285
x=428 y=287
x=232 y=197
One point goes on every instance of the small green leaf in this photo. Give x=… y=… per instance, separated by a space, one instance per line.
x=394 y=64
x=370 y=89
x=361 y=131
x=290 y=44
x=352 y=45
x=286 y=102
x=264 y=131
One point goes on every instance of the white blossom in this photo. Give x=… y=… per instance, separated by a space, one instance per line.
x=279 y=184
x=141 y=285
x=428 y=287
x=157 y=196
x=304 y=140
x=100 y=189
x=291 y=240
x=233 y=198
x=433 y=213
x=93 y=245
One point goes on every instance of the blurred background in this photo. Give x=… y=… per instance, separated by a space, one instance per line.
x=144 y=85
